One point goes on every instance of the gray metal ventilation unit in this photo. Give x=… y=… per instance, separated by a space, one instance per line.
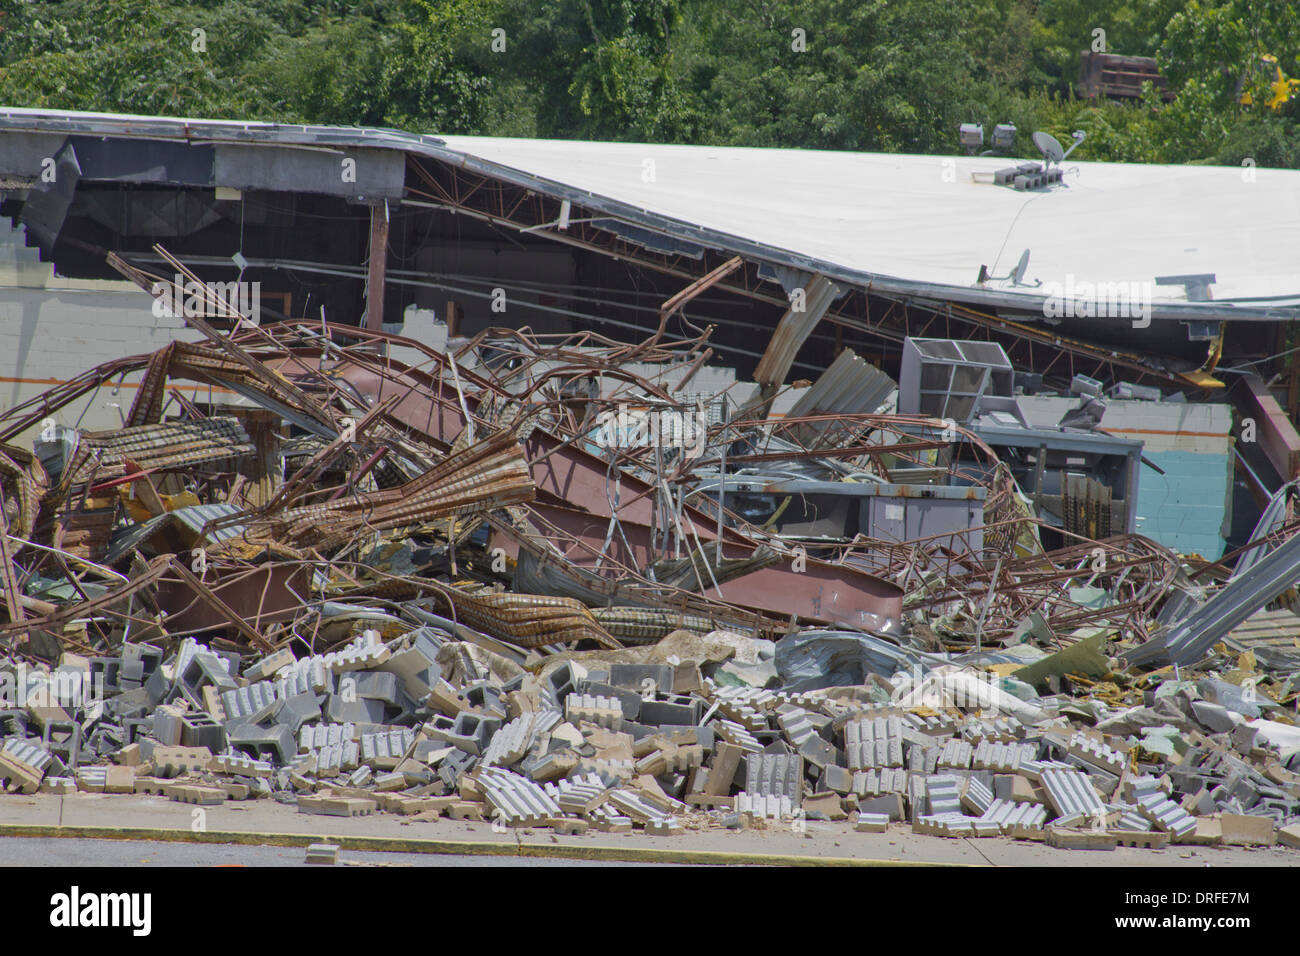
x=945 y=378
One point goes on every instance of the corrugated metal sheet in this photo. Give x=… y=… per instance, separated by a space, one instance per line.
x=850 y=385
x=192 y=519
x=171 y=444
x=1273 y=516
x=1272 y=636
x=1188 y=641
x=793 y=329
x=491 y=474
x=530 y=620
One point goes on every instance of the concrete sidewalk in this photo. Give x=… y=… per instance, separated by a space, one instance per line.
x=263 y=822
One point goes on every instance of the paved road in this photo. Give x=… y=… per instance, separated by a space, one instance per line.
x=49 y=851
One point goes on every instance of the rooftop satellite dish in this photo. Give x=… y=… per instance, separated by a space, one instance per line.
x=1018 y=274
x=1051 y=149
x=1049 y=146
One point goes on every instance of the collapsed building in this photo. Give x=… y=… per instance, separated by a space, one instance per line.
x=518 y=517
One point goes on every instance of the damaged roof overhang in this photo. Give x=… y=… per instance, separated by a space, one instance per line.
x=160 y=156
x=249 y=155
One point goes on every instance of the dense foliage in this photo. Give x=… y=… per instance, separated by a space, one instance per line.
x=894 y=75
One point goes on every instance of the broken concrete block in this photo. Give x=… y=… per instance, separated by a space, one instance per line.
x=666 y=826
x=203 y=669
x=955 y=755
x=1243 y=830
x=837 y=779
x=167 y=725
x=1289 y=835
x=976 y=797
x=567 y=826
x=327 y=805
x=660 y=678
x=1021 y=820
x=355 y=710
x=250 y=703
x=1070 y=792
x=60 y=785
x=173 y=761
x=1213 y=717
x=888 y=804
x=276 y=743
x=1199 y=803
x=605 y=712
x=201 y=729
x=1208 y=832
x=1002 y=757
x=942 y=796
x=776 y=774
x=199 y=795
x=296 y=710
x=578 y=796
x=630 y=700
x=465 y=810
x=385 y=749
x=1066 y=839
x=724 y=768
x=1147 y=839
x=1018 y=789
x=266 y=667
x=871 y=822
x=375 y=685
x=608 y=820
x=824 y=806
x=817 y=751
x=119 y=780
x=1166 y=815
x=323 y=853
x=469 y=732
x=516 y=800
x=670 y=710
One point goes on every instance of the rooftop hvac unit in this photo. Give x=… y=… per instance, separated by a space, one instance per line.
x=945 y=378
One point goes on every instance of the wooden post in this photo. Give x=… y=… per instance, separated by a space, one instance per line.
x=264 y=468
x=378 y=262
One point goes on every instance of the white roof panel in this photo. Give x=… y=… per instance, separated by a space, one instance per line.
x=924 y=218
x=918 y=225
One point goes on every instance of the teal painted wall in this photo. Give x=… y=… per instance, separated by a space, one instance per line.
x=1184 y=509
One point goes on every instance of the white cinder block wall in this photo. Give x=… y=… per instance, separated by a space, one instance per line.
x=53 y=328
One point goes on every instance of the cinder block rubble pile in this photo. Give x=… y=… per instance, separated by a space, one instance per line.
x=428 y=725
x=366 y=575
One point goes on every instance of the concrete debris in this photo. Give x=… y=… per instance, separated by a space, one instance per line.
x=323 y=853
x=374 y=578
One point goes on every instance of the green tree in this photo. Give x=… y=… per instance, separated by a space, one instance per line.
x=600 y=69
x=1062 y=29
x=1220 y=46
x=893 y=75
x=843 y=74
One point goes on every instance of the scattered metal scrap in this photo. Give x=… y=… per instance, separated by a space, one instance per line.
x=534 y=579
